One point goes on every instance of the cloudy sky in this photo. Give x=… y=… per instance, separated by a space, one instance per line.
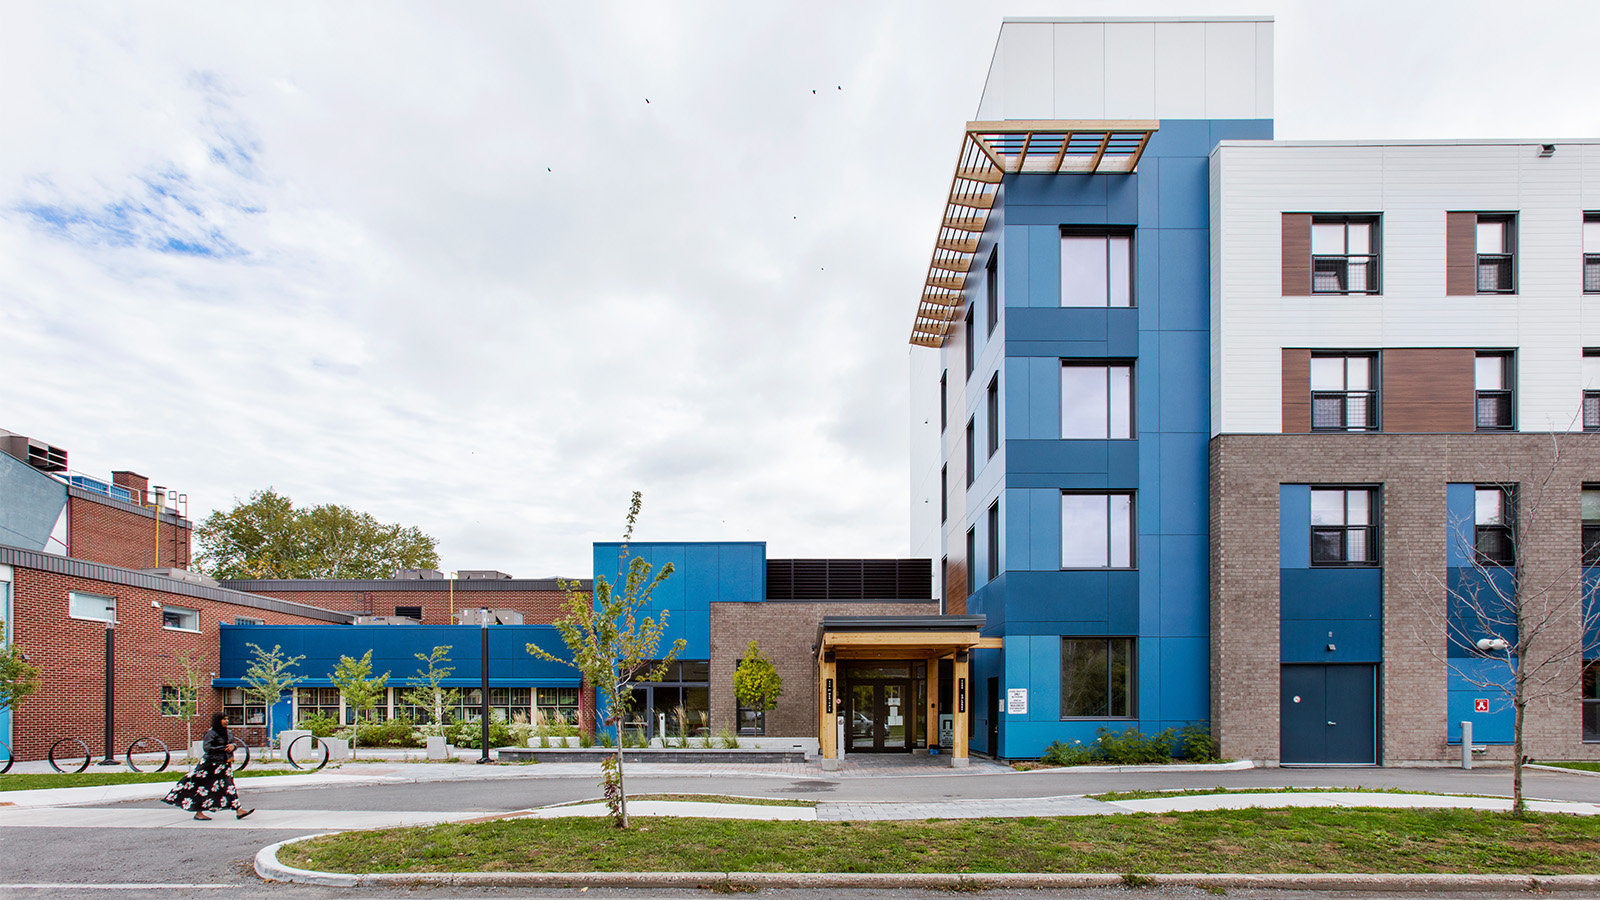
x=486 y=268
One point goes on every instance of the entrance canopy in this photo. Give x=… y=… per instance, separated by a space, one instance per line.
x=931 y=638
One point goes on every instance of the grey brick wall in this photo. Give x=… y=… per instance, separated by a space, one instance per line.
x=1413 y=469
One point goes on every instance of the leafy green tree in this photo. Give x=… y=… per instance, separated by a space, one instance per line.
x=613 y=647
x=361 y=689
x=756 y=682
x=184 y=701
x=268 y=677
x=429 y=692
x=18 y=678
x=267 y=537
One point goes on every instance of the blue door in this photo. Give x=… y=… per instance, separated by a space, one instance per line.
x=1329 y=715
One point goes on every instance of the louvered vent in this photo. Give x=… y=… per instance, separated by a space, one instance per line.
x=849 y=579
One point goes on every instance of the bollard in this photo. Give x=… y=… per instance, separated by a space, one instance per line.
x=840 y=744
x=661 y=728
x=1466 y=744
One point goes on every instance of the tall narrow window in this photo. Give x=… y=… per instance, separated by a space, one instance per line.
x=1591 y=253
x=1096 y=677
x=1591 y=390
x=1096 y=400
x=972 y=343
x=1591 y=524
x=1492 y=513
x=1496 y=242
x=1097 y=269
x=1493 y=382
x=944 y=494
x=1342 y=395
x=1344 y=255
x=1591 y=700
x=972 y=560
x=972 y=454
x=992 y=412
x=992 y=288
x=1342 y=532
x=1096 y=531
x=994 y=540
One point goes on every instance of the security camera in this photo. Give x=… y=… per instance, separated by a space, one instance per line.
x=155 y=604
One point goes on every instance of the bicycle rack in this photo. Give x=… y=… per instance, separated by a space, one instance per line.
x=315 y=745
x=166 y=755
x=69 y=741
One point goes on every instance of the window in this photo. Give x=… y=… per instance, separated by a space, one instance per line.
x=944 y=585
x=176 y=701
x=1096 y=531
x=972 y=346
x=553 y=702
x=1493 y=382
x=1096 y=678
x=241 y=710
x=1096 y=400
x=994 y=540
x=1096 y=269
x=1492 y=511
x=972 y=560
x=972 y=458
x=944 y=494
x=992 y=409
x=1591 y=253
x=1344 y=255
x=1342 y=532
x=1591 y=525
x=1342 y=393
x=1591 y=390
x=319 y=701
x=246 y=620
x=751 y=721
x=944 y=401
x=992 y=285
x=179 y=618
x=409 y=612
x=1591 y=700
x=91 y=606
x=1496 y=243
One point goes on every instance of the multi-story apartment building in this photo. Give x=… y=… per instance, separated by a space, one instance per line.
x=1061 y=417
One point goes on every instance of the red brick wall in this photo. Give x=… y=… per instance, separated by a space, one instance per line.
x=537 y=607
x=117 y=534
x=70 y=653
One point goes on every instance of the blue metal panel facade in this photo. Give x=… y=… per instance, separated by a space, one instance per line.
x=703 y=573
x=1162 y=602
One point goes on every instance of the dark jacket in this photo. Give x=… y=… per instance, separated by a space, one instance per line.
x=216 y=745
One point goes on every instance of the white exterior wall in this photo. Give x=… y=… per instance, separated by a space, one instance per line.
x=1203 y=68
x=925 y=366
x=1548 y=321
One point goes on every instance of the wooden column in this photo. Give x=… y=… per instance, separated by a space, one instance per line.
x=933 y=703
x=826 y=724
x=961 y=703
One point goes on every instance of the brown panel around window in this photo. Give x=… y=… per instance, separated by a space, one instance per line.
x=1428 y=390
x=956 y=580
x=1296 y=391
x=1460 y=254
x=1296 y=254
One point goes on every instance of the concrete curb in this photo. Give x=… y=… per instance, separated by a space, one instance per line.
x=1563 y=770
x=1237 y=765
x=268 y=867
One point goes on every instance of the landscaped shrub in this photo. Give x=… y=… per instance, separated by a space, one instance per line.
x=1073 y=754
x=318 y=724
x=1132 y=747
x=1195 y=743
x=396 y=732
x=469 y=734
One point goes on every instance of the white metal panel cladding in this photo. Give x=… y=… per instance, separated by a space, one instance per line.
x=1412 y=185
x=1080 y=71
x=1181 y=64
x=1131 y=69
x=1231 y=79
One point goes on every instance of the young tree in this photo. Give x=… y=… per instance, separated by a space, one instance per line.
x=267 y=678
x=429 y=691
x=267 y=537
x=613 y=647
x=184 y=701
x=1516 y=615
x=756 y=683
x=18 y=678
x=361 y=689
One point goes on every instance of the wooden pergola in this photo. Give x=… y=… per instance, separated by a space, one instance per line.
x=989 y=152
x=930 y=638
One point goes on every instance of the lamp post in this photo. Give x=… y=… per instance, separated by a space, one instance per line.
x=483 y=716
x=110 y=713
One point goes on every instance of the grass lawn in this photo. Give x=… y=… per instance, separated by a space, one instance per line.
x=1584 y=766
x=38 y=781
x=1252 y=840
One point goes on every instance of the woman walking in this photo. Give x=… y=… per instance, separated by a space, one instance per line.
x=210 y=784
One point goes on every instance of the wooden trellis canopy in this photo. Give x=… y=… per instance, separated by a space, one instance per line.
x=989 y=152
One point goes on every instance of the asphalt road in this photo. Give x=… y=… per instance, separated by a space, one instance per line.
x=168 y=862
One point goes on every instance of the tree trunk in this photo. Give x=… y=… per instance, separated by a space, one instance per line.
x=1518 y=805
x=622 y=793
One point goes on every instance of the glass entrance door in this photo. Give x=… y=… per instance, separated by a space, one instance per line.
x=880 y=716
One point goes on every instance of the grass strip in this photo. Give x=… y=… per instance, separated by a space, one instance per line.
x=1580 y=765
x=1249 y=841
x=33 y=781
x=720 y=798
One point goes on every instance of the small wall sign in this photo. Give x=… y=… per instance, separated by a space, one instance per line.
x=1480 y=705
x=1017 y=701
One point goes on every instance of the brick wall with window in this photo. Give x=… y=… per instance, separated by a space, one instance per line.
x=109 y=531
x=539 y=606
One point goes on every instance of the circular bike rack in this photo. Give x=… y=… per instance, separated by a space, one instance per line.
x=69 y=742
x=316 y=747
x=237 y=765
x=149 y=745
x=9 y=759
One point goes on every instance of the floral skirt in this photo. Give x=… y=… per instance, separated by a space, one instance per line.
x=208 y=786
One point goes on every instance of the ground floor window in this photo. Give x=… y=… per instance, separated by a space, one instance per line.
x=316 y=701
x=241 y=710
x=556 y=704
x=1591 y=700
x=173 y=700
x=1096 y=678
